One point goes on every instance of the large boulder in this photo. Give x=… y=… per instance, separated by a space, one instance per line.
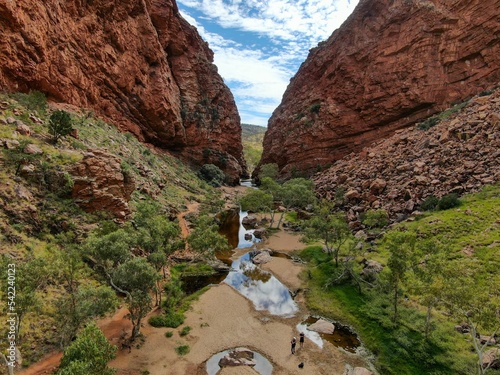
x=322 y=326
x=101 y=185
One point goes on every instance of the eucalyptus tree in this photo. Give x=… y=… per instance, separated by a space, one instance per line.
x=135 y=278
x=401 y=247
x=88 y=354
x=330 y=227
x=205 y=238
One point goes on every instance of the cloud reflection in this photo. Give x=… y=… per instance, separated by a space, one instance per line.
x=261 y=287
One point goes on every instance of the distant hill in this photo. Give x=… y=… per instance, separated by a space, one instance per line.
x=252 y=137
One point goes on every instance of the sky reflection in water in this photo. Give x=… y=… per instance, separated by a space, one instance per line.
x=261 y=287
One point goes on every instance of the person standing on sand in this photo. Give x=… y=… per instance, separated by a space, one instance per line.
x=301 y=339
x=294 y=342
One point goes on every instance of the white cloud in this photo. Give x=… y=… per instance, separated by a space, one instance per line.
x=279 y=34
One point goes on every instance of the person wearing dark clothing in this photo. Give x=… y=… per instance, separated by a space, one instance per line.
x=301 y=339
x=294 y=342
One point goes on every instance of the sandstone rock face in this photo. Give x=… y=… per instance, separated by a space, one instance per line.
x=458 y=155
x=100 y=185
x=138 y=64
x=392 y=63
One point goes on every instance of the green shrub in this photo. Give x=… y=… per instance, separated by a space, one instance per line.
x=430 y=203
x=428 y=123
x=170 y=319
x=169 y=334
x=315 y=108
x=60 y=125
x=185 y=331
x=375 y=218
x=269 y=170
x=212 y=174
x=448 y=201
x=182 y=349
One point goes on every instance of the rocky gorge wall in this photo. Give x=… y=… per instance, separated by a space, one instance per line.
x=391 y=64
x=138 y=64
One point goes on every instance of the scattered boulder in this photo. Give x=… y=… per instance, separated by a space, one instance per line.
x=248 y=236
x=260 y=233
x=492 y=358
x=370 y=269
x=23 y=129
x=32 y=149
x=249 y=221
x=262 y=257
x=488 y=340
x=322 y=326
x=238 y=357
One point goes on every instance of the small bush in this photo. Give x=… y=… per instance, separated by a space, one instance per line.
x=182 y=349
x=448 y=201
x=169 y=334
x=430 y=203
x=429 y=123
x=185 y=331
x=375 y=218
x=60 y=125
x=170 y=319
x=315 y=108
x=212 y=174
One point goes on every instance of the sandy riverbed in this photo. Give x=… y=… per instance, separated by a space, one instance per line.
x=223 y=319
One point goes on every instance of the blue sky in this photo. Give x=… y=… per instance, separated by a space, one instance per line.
x=260 y=44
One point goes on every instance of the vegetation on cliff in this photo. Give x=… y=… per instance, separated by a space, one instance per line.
x=76 y=261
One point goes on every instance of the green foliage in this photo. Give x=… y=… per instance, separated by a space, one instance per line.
x=375 y=218
x=212 y=174
x=88 y=354
x=205 y=238
x=436 y=119
x=111 y=249
x=256 y=200
x=185 y=331
x=269 y=170
x=169 y=319
x=430 y=203
x=448 y=201
x=155 y=232
x=182 y=349
x=60 y=125
x=315 y=108
x=252 y=137
x=329 y=227
x=33 y=101
x=169 y=334
x=135 y=274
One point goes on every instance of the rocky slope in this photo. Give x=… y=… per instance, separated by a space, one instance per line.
x=460 y=154
x=391 y=64
x=139 y=64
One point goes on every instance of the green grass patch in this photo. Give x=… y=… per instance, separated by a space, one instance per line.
x=185 y=331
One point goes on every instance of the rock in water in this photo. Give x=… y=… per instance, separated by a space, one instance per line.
x=322 y=326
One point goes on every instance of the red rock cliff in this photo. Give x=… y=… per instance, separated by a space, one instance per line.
x=392 y=63
x=136 y=62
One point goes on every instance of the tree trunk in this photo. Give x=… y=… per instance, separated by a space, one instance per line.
x=396 y=297
x=281 y=218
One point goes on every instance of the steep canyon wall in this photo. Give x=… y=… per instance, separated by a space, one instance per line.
x=391 y=64
x=137 y=63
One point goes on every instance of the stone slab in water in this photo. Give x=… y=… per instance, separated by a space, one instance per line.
x=322 y=326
